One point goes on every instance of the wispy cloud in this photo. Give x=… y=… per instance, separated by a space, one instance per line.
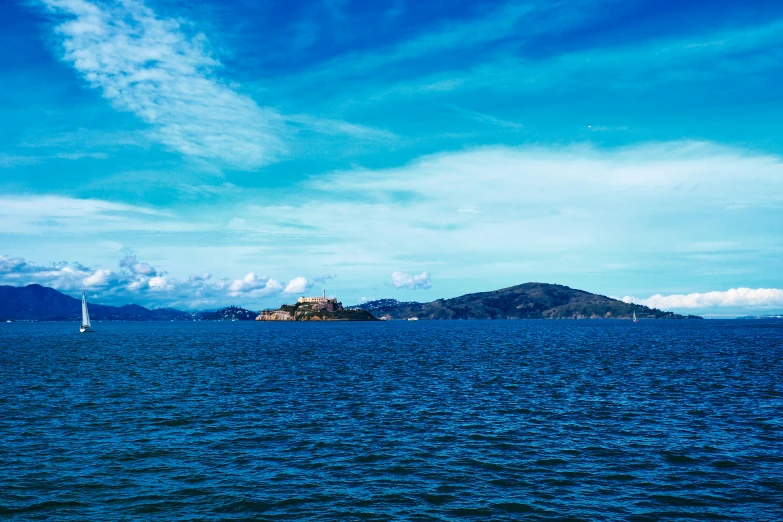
x=505 y=60
x=493 y=26
x=606 y=128
x=339 y=127
x=492 y=176
x=16 y=160
x=538 y=212
x=84 y=139
x=489 y=119
x=30 y=215
x=734 y=298
x=667 y=60
x=153 y=68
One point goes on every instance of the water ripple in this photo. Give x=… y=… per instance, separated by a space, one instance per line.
x=507 y=420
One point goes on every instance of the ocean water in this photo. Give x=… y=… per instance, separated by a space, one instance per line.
x=505 y=420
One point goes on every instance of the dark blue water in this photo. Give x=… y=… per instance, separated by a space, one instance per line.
x=506 y=420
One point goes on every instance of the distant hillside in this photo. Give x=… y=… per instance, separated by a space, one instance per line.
x=39 y=303
x=527 y=301
x=380 y=304
x=232 y=313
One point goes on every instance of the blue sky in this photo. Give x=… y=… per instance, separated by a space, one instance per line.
x=248 y=152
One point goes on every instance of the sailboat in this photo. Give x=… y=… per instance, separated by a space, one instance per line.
x=635 y=320
x=86 y=326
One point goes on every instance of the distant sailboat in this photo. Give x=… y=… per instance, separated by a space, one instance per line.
x=85 y=315
x=635 y=320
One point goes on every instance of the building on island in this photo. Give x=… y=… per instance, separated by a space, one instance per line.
x=318 y=299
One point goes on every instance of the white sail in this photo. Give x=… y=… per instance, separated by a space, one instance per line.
x=85 y=313
x=634 y=316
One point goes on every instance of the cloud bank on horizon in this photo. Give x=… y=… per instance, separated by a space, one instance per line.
x=140 y=282
x=759 y=298
x=429 y=151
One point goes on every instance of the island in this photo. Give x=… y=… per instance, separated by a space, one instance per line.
x=525 y=301
x=319 y=308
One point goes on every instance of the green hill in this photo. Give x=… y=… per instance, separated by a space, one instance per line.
x=527 y=301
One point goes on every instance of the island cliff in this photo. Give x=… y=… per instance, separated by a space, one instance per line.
x=315 y=309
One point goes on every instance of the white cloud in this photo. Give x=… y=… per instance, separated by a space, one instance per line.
x=159 y=283
x=16 y=271
x=140 y=282
x=98 y=278
x=734 y=297
x=254 y=285
x=154 y=69
x=551 y=199
x=136 y=267
x=411 y=281
x=297 y=285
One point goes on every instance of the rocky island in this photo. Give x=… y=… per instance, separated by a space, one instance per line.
x=315 y=309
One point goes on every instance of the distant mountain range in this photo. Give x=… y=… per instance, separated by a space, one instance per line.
x=39 y=303
x=527 y=301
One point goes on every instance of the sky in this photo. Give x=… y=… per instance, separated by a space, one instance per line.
x=245 y=152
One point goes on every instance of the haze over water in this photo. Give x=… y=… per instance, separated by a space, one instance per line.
x=506 y=420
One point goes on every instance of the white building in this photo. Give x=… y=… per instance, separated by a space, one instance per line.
x=318 y=299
